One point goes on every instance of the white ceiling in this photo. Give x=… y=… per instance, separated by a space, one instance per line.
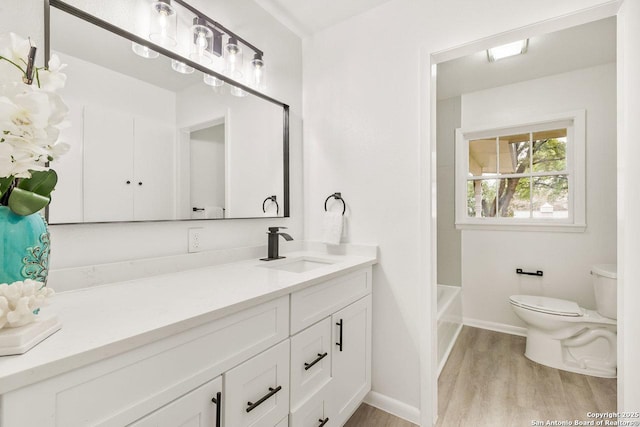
x=578 y=47
x=306 y=17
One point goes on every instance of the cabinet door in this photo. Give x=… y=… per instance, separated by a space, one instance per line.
x=108 y=165
x=257 y=391
x=351 y=357
x=154 y=170
x=198 y=408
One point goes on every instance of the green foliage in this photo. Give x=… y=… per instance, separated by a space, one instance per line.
x=5 y=184
x=33 y=194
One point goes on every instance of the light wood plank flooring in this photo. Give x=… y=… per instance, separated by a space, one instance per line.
x=487 y=382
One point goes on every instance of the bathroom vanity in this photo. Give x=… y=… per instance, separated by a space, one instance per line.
x=249 y=343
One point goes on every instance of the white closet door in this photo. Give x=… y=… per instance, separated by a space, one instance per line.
x=108 y=165
x=154 y=182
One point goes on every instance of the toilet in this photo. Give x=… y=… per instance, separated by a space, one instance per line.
x=563 y=335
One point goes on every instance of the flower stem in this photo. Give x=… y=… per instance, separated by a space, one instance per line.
x=14 y=64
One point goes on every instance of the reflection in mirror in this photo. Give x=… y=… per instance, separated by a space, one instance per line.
x=149 y=143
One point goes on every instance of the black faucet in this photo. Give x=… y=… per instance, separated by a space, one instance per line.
x=272 y=251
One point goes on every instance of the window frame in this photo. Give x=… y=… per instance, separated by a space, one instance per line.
x=574 y=122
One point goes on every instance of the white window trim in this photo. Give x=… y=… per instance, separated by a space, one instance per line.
x=576 y=168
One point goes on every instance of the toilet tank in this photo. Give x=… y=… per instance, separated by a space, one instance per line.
x=605 y=286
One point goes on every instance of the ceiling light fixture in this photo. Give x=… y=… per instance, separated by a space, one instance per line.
x=506 y=50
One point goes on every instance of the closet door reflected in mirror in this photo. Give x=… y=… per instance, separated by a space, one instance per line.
x=148 y=143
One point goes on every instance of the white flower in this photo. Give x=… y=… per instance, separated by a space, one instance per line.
x=52 y=79
x=15 y=49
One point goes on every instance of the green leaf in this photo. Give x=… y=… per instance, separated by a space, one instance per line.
x=5 y=183
x=41 y=182
x=24 y=202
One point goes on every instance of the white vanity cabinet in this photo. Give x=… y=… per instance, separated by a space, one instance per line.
x=283 y=362
x=336 y=349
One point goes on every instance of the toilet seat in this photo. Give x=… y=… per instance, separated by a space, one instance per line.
x=553 y=306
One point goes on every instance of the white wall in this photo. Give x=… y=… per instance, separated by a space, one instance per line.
x=449 y=238
x=76 y=245
x=490 y=257
x=207 y=167
x=628 y=205
x=366 y=109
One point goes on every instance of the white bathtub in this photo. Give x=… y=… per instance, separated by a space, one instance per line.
x=449 y=321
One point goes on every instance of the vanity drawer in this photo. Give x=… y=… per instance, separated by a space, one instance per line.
x=256 y=393
x=316 y=412
x=124 y=388
x=310 y=361
x=317 y=302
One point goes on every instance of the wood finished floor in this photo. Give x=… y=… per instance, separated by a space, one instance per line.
x=487 y=382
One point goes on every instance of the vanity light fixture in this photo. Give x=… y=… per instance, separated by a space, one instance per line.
x=204 y=46
x=163 y=23
x=506 y=50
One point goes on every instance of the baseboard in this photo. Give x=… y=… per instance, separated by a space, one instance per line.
x=494 y=326
x=393 y=406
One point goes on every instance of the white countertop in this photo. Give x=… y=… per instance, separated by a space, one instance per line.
x=103 y=321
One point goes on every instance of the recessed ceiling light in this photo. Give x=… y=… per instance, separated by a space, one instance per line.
x=507 y=50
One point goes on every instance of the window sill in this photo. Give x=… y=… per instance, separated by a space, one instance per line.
x=558 y=228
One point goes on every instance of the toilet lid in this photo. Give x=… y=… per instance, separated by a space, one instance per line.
x=559 y=307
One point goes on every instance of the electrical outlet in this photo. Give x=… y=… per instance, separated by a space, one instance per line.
x=195 y=239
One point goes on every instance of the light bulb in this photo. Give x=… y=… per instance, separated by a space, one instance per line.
x=232 y=56
x=201 y=41
x=257 y=71
x=163 y=23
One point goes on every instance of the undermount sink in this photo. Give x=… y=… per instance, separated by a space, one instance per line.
x=300 y=265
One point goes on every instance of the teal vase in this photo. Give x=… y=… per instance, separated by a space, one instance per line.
x=24 y=247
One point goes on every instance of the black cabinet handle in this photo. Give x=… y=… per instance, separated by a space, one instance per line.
x=128 y=182
x=339 y=344
x=308 y=366
x=323 y=422
x=218 y=401
x=272 y=391
x=140 y=183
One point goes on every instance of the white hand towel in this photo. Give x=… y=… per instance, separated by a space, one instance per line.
x=332 y=227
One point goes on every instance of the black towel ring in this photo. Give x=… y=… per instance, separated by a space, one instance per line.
x=273 y=199
x=337 y=196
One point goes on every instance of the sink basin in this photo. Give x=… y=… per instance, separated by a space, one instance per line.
x=300 y=265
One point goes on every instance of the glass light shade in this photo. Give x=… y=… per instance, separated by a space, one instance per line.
x=143 y=51
x=163 y=23
x=232 y=56
x=257 y=72
x=212 y=80
x=181 y=67
x=202 y=40
x=236 y=91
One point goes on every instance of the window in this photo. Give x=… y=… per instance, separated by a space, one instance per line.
x=522 y=176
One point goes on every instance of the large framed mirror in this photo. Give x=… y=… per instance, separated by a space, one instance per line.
x=152 y=144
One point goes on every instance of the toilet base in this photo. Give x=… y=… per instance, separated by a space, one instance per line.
x=591 y=352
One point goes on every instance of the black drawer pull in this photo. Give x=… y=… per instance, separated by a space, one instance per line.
x=323 y=422
x=339 y=344
x=272 y=391
x=308 y=366
x=218 y=401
